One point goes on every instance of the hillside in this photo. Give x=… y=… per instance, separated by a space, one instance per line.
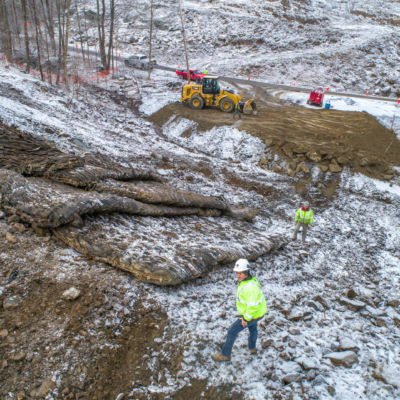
x=350 y=46
x=122 y=212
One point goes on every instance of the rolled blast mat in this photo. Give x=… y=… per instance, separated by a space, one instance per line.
x=46 y=204
x=167 y=251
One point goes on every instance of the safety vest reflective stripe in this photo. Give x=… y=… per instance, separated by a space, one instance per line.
x=248 y=316
x=255 y=303
x=305 y=214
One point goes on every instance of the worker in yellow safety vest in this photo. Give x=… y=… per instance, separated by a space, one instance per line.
x=304 y=218
x=251 y=307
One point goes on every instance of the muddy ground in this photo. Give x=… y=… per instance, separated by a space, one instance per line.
x=302 y=137
x=41 y=332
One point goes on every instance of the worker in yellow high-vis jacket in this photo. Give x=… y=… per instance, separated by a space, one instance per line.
x=304 y=218
x=251 y=307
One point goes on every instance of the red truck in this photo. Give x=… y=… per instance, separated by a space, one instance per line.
x=195 y=74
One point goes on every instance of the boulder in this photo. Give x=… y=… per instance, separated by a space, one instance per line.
x=352 y=305
x=295 y=314
x=347 y=344
x=11 y=302
x=291 y=378
x=71 y=294
x=314 y=156
x=307 y=363
x=343 y=358
x=335 y=167
x=303 y=168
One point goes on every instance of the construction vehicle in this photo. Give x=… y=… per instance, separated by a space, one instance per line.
x=208 y=93
x=316 y=97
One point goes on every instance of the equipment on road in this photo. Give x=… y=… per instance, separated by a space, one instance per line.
x=317 y=97
x=241 y=265
x=209 y=94
x=195 y=74
x=139 y=61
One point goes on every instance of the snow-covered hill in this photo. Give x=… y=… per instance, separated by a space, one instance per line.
x=350 y=46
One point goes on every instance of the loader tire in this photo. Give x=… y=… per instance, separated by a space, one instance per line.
x=226 y=105
x=196 y=102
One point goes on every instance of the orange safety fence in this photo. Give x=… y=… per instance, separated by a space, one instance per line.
x=72 y=78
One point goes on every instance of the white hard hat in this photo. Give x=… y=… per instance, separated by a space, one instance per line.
x=241 y=265
x=306 y=203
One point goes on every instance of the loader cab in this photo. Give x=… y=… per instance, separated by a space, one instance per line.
x=211 y=85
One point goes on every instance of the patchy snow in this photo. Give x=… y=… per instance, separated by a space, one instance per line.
x=386 y=112
x=354 y=243
x=351 y=46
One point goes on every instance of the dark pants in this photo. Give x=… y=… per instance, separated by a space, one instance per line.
x=236 y=112
x=234 y=330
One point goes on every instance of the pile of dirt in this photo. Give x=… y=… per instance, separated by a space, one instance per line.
x=304 y=137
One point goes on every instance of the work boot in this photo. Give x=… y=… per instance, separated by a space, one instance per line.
x=253 y=351
x=220 y=357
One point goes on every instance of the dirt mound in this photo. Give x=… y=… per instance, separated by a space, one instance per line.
x=303 y=137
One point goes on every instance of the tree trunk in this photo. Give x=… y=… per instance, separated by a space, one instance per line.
x=48 y=19
x=80 y=30
x=27 y=56
x=16 y=22
x=111 y=38
x=35 y=16
x=150 y=36
x=67 y=12
x=184 y=41
x=60 y=38
x=7 y=44
x=101 y=32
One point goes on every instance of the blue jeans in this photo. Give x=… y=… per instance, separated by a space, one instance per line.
x=234 y=330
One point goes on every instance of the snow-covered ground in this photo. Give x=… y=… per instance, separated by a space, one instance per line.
x=353 y=248
x=351 y=46
x=386 y=112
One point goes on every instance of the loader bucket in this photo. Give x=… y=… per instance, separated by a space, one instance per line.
x=250 y=107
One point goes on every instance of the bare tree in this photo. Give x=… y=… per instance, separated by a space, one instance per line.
x=25 y=19
x=80 y=30
x=16 y=22
x=184 y=40
x=101 y=31
x=67 y=13
x=150 y=37
x=101 y=18
x=111 y=37
x=7 y=42
x=35 y=16
x=60 y=19
x=49 y=22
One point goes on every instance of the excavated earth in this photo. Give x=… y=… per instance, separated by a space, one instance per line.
x=332 y=139
x=106 y=345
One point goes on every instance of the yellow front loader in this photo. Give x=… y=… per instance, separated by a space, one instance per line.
x=208 y=93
